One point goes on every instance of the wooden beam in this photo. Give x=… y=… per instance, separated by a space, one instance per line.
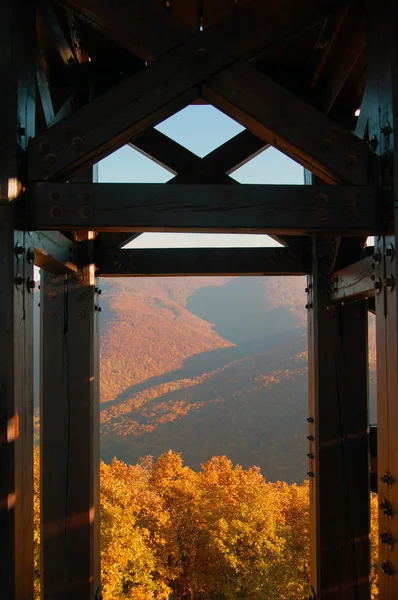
x=44 y=89
x=167 y=85
x=342 y=71
x=382 y=87
x=292 y=126
x=188 y=167
x=52 y=251
x=47 y=14
x=69 y=436
x=297 y=210
x=131 y=24
x=17 y=121
x=338 y=439
x=355 y=281
x=176 y=262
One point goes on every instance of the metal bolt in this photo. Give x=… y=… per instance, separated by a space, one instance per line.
x=310 y=455
x=386 y=538
x=310 y=419
x=56 y=212
x=387 y=568
x=18 y=280
x=77 y=143
x=52 y=314
x=21 y=131
x=309 y=306
x=31 y=284
x=311 y=474
x=97 y=308
x=386 y=507
x=386 y=129
x=80 y=314
x=52 y=295
x=19 y=250
x=307 y=290
x=390 y=282
x=373 y=142
x=351 y=161
x=31 y=256
x=377 y=285
x=201 y=52
x=310 y=438
x=326 y=145
x=51 y=158
x=387 y=478
x=85 y=211
x=390 y=251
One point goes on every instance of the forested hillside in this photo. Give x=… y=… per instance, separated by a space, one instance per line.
x=206 y=366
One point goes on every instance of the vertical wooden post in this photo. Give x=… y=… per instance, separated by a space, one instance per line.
x=70 y=436
x=382 y=82
x=338 y=440
x=17 y=113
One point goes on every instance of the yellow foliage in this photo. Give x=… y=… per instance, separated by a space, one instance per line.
x=223 y=533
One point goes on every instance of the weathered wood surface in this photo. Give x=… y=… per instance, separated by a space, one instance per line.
x=69 y=436
x=338 y=439
x=165 y=86
x=356 y=280
x=294 y=127
x=382 y=89
x=156 y=207
x=175 y=262
x=53 y=251
x=17 y=110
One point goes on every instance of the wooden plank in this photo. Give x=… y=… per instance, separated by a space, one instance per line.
x=382 y=89
x=176 y=262
x=69 y=436
x=52 y=24
x=17 y=114
x=167 y=85
x=44 y=90
x=338 y=439
x=290 y=125
x=342 y=71
x=356 y=280
x=52 y=251
x=297 y=210
x=131 y=24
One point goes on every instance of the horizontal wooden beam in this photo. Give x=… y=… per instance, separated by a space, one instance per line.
x=291 y=125
x=275 y=209
x=166 y=85
x=355 y=281
x=173 y=262
x=53 y=251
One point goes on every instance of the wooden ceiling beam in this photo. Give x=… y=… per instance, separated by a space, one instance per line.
x=141 y=26
x=164 y=151
x=177 y=262
x=283 y=209
x=50 y=20
x=291 y=125
x=166 y=86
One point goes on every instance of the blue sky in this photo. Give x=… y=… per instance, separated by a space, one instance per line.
x=200 y=128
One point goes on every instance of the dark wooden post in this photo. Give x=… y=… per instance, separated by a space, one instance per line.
x=338 y=444
x=17 y=120
x=70 y=436
x=383 y=123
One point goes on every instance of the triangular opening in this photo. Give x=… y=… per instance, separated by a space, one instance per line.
x=270 y=167
x=127 y=165
x=200 y=128
x=201 y=240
